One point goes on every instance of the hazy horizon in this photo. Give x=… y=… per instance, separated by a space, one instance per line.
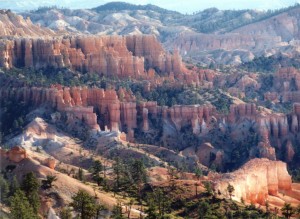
x=176 y=5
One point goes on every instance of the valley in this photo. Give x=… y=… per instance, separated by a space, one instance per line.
x=144 y=112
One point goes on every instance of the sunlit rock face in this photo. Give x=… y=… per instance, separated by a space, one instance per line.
x=256 y=181
x=270 y=36
x=285 y=87
x=15 y=25
x=108 y=55
x=119 y=111
x=15 y=154
x=50 y=162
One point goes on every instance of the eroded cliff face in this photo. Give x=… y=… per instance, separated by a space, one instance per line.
x=15 y=25
x=265 y=132
x=286 y=86
x=106 y=55
x=257 y=181
x=280 y=33
x=16 y=154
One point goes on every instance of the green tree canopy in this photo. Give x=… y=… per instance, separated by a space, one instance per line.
x=84 y=204
x=20 y=207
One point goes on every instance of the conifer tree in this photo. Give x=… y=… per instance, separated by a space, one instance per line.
x=14 y=186
x=287 y=210
x=4 y=189
x=117 y=211
x=84 y=204
x=20 y=207
x=30 y=186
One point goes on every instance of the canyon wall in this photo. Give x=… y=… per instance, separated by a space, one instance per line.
x=12 y=24
x=108 y=55
x=256 y=181
x=119 y=111
x=270 y=36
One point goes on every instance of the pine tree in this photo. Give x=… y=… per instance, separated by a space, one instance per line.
x=138 y=176
x=151 y=210
x=121 y=176
x=130 y=203
x=208 y=188
x=80 y=174
x=138 y=171
x=99 y=208
x=48 y=183
x=84 y=204
x=30 y=183
x=20 y=207
x=198 y=173
x=14 y=186
x=287 y=210
x=117 y=211
x=4 y=189
x=162 y=201
x=97 y=167
x=203 y=209
x=30 y=186
x=297 y=211
x=34 y=201
x=65 y=213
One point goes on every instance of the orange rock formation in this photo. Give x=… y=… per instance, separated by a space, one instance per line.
x=16 y=154
x=257 y=180
x=107 y=55
x=15 y=25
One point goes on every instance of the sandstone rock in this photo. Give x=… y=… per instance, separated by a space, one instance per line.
x=84 y=114
x=128 y=115
x=15 y=25
x=17 y=154
x=266 y=151
x=130 y=135
x=51 y=163
x=256 y=180
x=118 y=111
x=145 y=120
x=122 y=136
x=108 y=55
x=204 y=153
x=289 y=152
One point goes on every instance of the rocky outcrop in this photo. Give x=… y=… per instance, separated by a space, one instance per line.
x=289 y=152
x=12 y=24
x=50 y=162
x=15 y=154
x=106 y=55
x=242 y=38
x=100 y=109
x=154 y=54
x=286 y=86
x=206 y=154
x=85 y=114
x=266 y=151
x=264 y=38
x=145 y=119
x=195 y=115
x=256 y=181
x=229 y=48
x=241 y=111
